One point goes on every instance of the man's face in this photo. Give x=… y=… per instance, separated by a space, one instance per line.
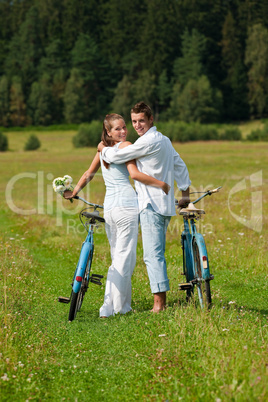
x=141 y=123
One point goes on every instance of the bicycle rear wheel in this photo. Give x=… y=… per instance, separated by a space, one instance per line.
x=203 y=286
x=77 y=298
x=186 y=268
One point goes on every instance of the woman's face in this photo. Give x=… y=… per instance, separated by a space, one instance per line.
x=118 y=131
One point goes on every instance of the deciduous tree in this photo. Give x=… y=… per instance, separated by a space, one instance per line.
x=40 y=104
x=257 y=61
x=17 y=103
x=4 y=101
x=198 y=101
x=74 y=105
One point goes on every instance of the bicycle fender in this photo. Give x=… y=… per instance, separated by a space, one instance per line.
x=81 y=266
x=203 y=255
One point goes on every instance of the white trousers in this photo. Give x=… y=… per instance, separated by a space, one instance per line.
x=121 y=226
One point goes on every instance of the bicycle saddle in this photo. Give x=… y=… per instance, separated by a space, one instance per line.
x=93 y=215
x=191 y=210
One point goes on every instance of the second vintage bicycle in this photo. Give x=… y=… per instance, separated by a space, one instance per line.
x=195 y=256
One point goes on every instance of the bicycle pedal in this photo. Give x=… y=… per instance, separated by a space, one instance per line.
x=96 y=276
x=185 y=286
x=96 y=281
x=64 y=299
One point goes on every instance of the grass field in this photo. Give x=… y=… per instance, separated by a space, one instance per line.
x=180 y=354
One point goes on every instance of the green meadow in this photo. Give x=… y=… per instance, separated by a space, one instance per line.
x=183 y=353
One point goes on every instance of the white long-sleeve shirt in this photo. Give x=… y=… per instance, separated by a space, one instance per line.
x=156 y=157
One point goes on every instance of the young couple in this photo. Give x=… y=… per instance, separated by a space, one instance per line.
x=154 y=165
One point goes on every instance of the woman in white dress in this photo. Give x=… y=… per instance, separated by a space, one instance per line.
x=120 y=213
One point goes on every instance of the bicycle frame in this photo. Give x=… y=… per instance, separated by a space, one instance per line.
x=86 y=252
x=195 y=256
x=86 y=249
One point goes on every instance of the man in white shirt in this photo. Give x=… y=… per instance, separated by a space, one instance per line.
x=156 y=157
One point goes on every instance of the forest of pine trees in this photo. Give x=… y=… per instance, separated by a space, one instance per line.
x=66 y=61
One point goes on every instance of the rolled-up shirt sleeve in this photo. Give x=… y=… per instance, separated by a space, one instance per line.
x=181 y=173
x=119 y=156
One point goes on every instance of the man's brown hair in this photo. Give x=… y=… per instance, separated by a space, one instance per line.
x=141 y=107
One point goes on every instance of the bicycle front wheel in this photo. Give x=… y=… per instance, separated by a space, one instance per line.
x=77 y=298
x=203 y=286
x=74 y=305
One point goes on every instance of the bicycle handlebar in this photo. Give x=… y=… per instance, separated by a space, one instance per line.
x=209 y=192
x=87 y=202
x=216 y=190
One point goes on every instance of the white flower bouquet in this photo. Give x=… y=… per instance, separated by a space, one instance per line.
x=61 y=184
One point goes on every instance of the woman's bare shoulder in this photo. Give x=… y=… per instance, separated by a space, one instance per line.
x=124 y=144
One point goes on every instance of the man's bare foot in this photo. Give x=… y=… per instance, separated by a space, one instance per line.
x=159 y=302
x=157 y=310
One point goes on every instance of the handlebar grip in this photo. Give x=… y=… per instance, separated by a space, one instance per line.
x=76 y=197
x=216 y=190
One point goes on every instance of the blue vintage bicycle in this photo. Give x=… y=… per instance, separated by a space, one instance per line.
x=195 y=256
x=82 y=275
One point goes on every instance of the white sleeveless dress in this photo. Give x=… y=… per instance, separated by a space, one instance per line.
x=121 y=223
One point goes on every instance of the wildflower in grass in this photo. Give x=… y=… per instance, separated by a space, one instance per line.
x=5 y=377
x=231 y=302
x=225 y=329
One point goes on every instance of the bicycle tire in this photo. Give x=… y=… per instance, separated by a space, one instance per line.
x=203 y=286
x=189 y=292
x=77 y=298
x=73 y=309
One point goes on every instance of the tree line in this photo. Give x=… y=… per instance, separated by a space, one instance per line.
x=65 y=61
